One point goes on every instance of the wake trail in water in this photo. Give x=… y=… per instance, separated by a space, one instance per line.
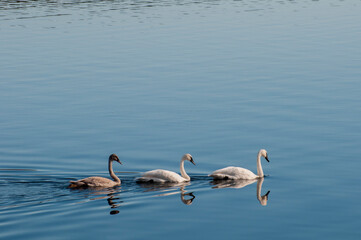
x=29 y=188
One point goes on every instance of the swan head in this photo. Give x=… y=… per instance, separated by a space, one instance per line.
x=264 y=154
x=188 y=157
x=114 y=157
x=187 y=201
x=264 y=199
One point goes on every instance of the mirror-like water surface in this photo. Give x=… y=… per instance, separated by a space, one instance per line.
x=152 y=80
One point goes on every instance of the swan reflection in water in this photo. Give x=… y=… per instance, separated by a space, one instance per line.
x=242 y=183
x=186 y=198
x=110 y=194
x=113 y=200
x=113 y=204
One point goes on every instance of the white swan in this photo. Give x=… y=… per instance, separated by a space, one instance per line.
x=163 y=176
x=99 y=182
x=241 y=173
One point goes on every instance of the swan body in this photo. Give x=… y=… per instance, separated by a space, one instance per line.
x=161 y=176
x=99 y=182
x=164 y=176
x=234 y=173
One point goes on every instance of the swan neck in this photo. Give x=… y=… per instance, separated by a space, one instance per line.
x=259 y=166
x=111 y=173
x=183 y=172
x=259 y=188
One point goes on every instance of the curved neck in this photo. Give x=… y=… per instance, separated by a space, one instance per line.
x=183 y=172
x=259 y=166
x=182 y=195
x=110 y=168
x=187 y=201
x=262 y=199
x=259 y=189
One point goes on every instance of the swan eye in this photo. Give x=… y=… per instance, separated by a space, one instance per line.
x=114 y=157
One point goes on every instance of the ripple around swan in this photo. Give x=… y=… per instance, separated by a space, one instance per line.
x=149 y=80
x=30 y=188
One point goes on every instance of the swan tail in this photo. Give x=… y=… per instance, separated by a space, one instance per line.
x=76 y=184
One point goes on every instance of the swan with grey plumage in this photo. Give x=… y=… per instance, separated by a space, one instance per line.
x=99 y=182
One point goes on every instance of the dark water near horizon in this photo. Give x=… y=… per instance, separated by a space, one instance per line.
x=152 y=80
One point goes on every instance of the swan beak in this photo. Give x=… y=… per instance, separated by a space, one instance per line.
x=267 y=193
x=119 y=161
x=267 y=158
x=192 y=161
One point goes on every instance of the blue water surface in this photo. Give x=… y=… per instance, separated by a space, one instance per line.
x=152 y=80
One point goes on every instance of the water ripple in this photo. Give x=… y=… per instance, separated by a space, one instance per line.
x=28 y=187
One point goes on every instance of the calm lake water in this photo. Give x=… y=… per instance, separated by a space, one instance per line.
x=152 y=80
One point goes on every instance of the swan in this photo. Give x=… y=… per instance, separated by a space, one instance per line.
x=99 y=182
x=241 y=173
x=163 y=176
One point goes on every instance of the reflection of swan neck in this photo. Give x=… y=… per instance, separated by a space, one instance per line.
x=259 y=188
x=262 y=199
x=259 y=166
x=110 y=168
x=183 y=172
x=186 y=201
